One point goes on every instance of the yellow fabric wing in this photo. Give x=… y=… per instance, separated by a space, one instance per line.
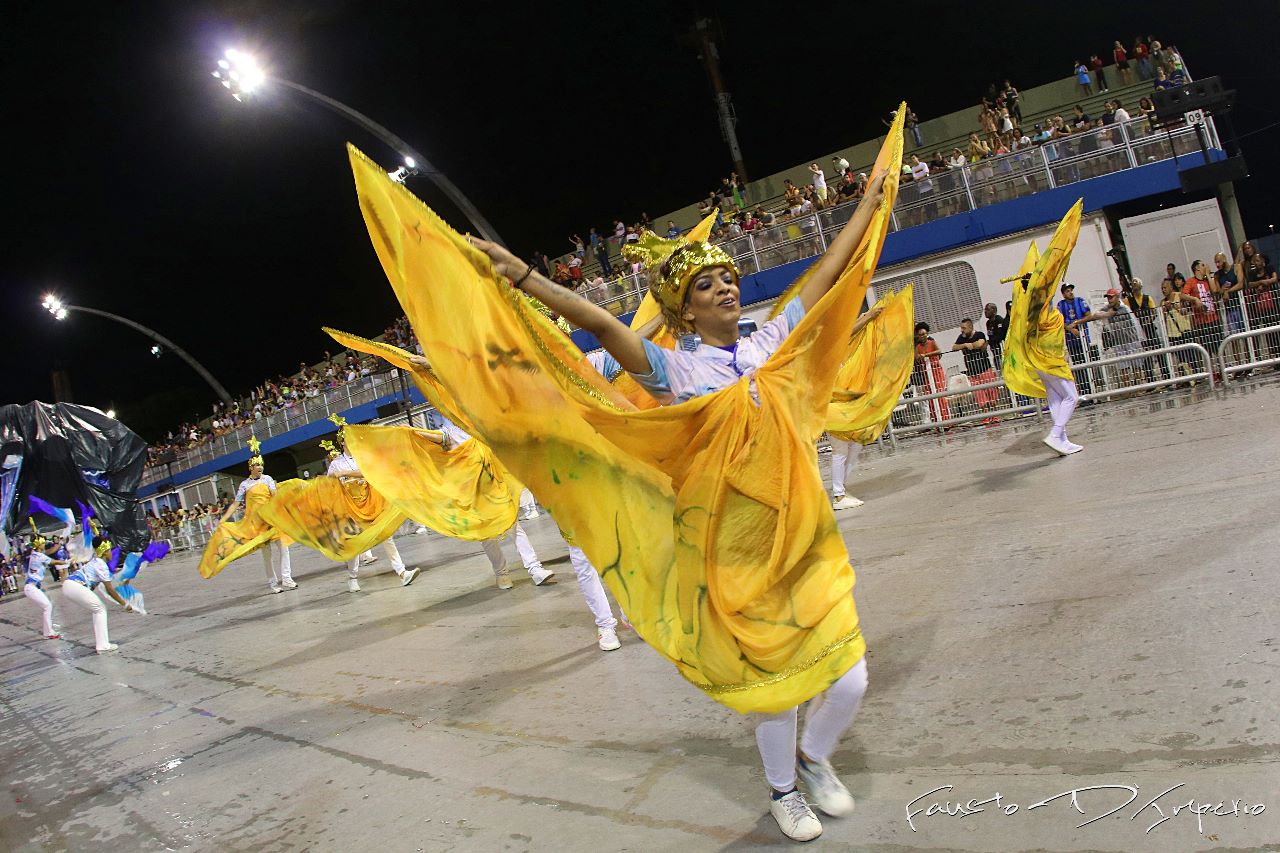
x=232 y=540
x=871 y=380
x=1036 y=338
x=340 y=519
x=463 y=492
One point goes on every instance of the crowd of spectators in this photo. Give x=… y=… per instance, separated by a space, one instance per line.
x=284 y=393
x=179 y=521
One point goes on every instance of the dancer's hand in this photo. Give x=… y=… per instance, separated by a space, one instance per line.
x=504 y=262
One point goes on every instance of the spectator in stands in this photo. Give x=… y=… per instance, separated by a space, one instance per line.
x=927 y=374
x=1121 y=336
x=1011 y=101
x=1262 y=293
x=997 y=328
x=579 y=247
x=977 y=364
x=1162 y=80
x=956 y=160
x=1122 y=63
x=1201 y=292
x=1082 y=79
x=1227 y=277
x=1143 y=309
x=819 y=183
x=987 y=121
x=1147 y=110
x=978 y=148
x=1119 y=114
x=1177 y=318
x=841 y=164
x=912 y=124
x=938 y=163
x=1142 y=58
x=1079 y=119
x=1096 y=63
x=1074 y=309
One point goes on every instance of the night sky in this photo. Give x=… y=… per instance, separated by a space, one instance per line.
x=135 y=184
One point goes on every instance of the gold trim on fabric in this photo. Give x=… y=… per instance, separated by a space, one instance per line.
x=789 y=672
x=519 y=307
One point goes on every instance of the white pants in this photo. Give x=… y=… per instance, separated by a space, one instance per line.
x=829 y=714
x=86 y=598
x=592 y=588
x=282 y=557
x=1063 y=398
x=393 y=554
x=844 y=458
x=46 y=607
x=528 y=556
x=526 y=501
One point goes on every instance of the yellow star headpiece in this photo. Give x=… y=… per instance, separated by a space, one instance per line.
x=255 y=457
x=329 y=447
x=677 y=262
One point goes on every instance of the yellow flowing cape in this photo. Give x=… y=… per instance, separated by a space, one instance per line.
x=873 y=376
x=340 y=519
x=708 y=520
x=232 y=540
x=463 y=492
x=1035 y=340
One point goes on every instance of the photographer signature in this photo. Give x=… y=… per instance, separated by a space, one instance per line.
x=1157 y=808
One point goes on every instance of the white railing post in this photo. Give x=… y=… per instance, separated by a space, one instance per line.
x=968 y=190
x=1128 y=144
x=1044 y=160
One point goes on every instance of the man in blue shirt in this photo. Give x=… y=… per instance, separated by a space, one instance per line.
x=1074 y=313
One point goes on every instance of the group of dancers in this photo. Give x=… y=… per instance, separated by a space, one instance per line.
x=684 y=476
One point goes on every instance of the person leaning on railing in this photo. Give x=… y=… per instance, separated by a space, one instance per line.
x=1262 y=293
x=1176 y=307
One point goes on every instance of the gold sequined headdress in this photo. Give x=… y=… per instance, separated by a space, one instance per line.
x=255 y=457
x=341 y=423
x=677 y=262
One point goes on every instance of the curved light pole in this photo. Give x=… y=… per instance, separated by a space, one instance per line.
x=59 y=310
x=240 y=74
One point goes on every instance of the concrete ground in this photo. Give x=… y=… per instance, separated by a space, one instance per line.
x=1036 y=626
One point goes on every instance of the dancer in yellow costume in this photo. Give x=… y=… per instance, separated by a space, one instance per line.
x=338 y=515
x=708 y=520
x=1035 y=362
x=232 y=540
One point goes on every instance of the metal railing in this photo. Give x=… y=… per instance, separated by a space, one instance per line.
x=1262 y=349
x=1056 y=163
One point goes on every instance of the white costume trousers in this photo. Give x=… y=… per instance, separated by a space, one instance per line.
x=393 y=554
x=829 y=714
x=80 y=594
x=1063 y=398
x=592 y=588
x=844 y=458
x=46 y=607
x=281 y=556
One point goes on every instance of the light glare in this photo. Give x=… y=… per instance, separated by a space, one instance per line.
x=410 y=162
x=111 y=413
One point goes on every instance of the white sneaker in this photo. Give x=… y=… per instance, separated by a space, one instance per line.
x=825 y=788
x=288 y=584
x=796 y=820
x=540 y=575
x=353 y=585
x=846 y=502
x=275 y=588
x=504 y=578
x=419 y=530
x=407 y=576
x=1061 y=446
x=531 y=514
x=365 y=562
x=108 y=649
x=608 y=639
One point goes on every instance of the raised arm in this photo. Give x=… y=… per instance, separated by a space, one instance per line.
x=614 y=335
x=842 y=247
